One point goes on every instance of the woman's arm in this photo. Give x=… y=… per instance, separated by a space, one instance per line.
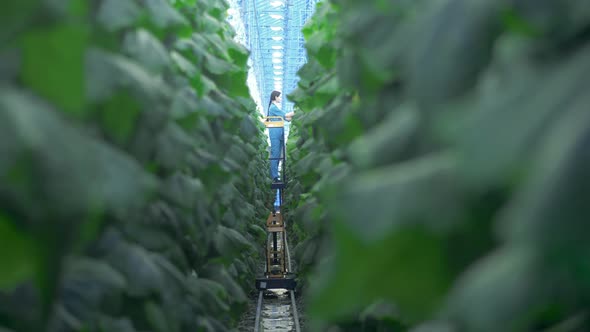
x=275 y=111
x=289 y=116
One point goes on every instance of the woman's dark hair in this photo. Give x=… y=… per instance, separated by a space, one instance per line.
x=273 y=97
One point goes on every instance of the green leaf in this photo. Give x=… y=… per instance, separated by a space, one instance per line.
x=116 y=324
x=326 y=90
x=183 y=64
x=17 y=255
x=204 y=85
x=107 y=73
x=172 y=147
x=521 y=119
x=257 y=232
x=314 y=43
x=234 y=84
x=500 y=293
x=216 y=65
x=53 y=65
x=248 y=129
x=182 y=190
x=548 y=212
x=147 y=50
x=407 y=268
x=184 y=105
x=219 y=273
x=2 y=329
x=107 y=284
x=209 y=24
x=84 y=268
x=15 y=15
x=418 y=191
x=142 y=273
x=79 y=8
x=229 y=242
x=462 y=35
x=102 y=180
x=517 y=24
x=163 y=15
x=156 y=317
x=308 y=73
x=118 y=14
x=119 y=117
x=387 y=141
x=10 y=63
x=210 y=294
x=555 y=24
x=239 y=54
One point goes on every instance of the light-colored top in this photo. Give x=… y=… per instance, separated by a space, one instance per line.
x=274 y=110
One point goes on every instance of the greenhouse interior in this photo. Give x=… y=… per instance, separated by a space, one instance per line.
x=294 y=165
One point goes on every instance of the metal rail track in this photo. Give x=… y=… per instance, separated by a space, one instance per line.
x=295 y=314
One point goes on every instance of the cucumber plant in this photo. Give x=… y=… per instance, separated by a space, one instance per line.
x=439 y=167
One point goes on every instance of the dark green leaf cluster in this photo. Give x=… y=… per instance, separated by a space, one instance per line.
x=442 y=165
x=132 y=157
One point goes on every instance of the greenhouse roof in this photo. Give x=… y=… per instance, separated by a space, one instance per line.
x=274 y=38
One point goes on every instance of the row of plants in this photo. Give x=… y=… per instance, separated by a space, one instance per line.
x=441 y=166
x=132 y=170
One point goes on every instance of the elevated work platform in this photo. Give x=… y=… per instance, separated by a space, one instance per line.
x=286 y=282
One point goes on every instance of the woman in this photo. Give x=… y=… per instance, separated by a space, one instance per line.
x=277 y=135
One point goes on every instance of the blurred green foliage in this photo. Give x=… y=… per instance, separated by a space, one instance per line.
x=132 y=162
x=441 y=164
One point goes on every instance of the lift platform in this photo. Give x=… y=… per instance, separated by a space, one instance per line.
x=277 y=272
x=286 y=282
x=274 y=219
x=277 y=185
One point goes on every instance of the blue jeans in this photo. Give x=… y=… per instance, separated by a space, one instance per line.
x=276 y=147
